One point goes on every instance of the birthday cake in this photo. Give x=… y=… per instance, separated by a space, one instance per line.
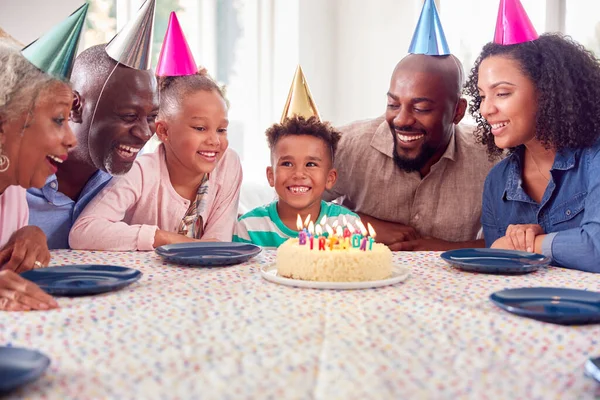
x=337 y=263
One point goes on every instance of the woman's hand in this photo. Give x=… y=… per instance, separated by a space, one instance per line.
x=26 y=249
x=19 y=294
x=523 y=236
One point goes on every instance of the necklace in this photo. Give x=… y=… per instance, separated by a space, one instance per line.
x=538 y=168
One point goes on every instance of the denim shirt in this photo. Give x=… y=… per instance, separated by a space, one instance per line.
x=55 y=213
x=569 y=211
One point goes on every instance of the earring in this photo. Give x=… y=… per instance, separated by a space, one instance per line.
x=4 y=163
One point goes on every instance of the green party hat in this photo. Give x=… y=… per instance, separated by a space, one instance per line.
x=54 y=53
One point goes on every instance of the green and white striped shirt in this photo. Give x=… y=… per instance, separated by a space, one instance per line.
x=263 y=227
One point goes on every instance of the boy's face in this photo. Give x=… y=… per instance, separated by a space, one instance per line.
x=301 y=170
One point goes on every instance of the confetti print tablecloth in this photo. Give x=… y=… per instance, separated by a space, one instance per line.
x=225 y=333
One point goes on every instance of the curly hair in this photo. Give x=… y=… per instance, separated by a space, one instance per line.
x=20 y=82
x=174 y=88
x=298 y=125
x=567 y=80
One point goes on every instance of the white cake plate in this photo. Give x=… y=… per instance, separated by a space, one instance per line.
x=269 y=272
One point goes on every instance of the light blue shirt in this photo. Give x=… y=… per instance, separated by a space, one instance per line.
x=55 y=212
x=569 y=211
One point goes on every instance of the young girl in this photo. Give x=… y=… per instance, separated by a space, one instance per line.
x=187 y=191
x=540 y=100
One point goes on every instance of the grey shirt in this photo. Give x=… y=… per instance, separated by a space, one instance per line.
x=445 y=204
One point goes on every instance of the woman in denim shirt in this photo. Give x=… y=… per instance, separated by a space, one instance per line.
x=539 y=102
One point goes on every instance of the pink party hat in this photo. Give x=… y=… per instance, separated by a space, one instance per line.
x=175 y=58
x=513 y=25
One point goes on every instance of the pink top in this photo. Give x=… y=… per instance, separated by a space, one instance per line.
x=126 y=214
x=14 y=212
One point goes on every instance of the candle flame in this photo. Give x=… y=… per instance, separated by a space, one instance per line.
x=329 y=229
x=371 y=230
x=361 y=226
x=350 y=227
x=344 y=220
x=335 y=224
x=339 y=231
x=318 y=230
x=311 y=228
x=299 y=223
x=323 y=220
x=306 y=221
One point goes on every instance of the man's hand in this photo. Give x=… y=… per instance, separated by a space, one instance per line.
x=18 y=294
x=433 y=244
x=26 y=249
x=390 y=232
x=522 y=237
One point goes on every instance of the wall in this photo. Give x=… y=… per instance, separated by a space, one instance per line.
x=27 y=20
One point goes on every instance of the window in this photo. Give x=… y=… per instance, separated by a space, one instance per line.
x=582 y=22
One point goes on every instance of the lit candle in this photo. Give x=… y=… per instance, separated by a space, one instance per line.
x=362 y=228
x=301 y=232
x=329 y=230
x=344 y=220
x=335 y=224
x=311 y=228
x=332 y=241
x=339 y=232
x=307 y=220
x=363 y=244
x=372 y=235
x=323 y=220
x=318 y=231
x=322 y=243
x=356 y=240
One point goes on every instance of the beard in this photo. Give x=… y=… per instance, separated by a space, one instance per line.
x=416 y=163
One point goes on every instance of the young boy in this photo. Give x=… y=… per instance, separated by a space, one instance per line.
x=302 y=152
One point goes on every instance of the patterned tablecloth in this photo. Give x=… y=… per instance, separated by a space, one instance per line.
x=226 y=333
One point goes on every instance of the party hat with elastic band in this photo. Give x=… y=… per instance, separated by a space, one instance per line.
x=429 y=36
x=54 y=53
x=300 y=101
x=175 y=58
x=513 y=25
x=132 y=46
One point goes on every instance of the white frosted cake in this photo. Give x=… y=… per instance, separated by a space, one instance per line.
x=339 y=265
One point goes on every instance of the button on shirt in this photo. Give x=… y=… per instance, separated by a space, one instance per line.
x=569 y=211
x=445 y=204
x=56 y=213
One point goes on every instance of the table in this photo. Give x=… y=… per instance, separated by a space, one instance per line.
x=226 y=333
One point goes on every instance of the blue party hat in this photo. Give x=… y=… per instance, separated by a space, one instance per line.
x=429 y=36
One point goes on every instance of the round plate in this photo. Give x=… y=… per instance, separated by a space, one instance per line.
x=79 y=280
x=556 y=305
x=19 y=366
x=495 y=261
x=269 y=272
x=208 y=254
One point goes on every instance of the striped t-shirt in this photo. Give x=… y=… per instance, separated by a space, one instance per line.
x=263 y=227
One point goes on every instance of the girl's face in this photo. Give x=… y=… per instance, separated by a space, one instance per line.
x=196 y=133
x=508 y=101
x=37 y=143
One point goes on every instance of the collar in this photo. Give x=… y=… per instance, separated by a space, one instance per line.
x=513 y=190
x=383 y=141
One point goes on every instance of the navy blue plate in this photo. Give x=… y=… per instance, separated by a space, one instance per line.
x=592 y=368
x=208 y=254
x=495 y=261
x=556 y=305
x=79 y=280
x=19 y=366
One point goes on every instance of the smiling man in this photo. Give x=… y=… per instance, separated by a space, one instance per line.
x=113 y=115
x=414 y=174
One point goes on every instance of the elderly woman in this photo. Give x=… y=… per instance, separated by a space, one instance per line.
x=34 y=139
